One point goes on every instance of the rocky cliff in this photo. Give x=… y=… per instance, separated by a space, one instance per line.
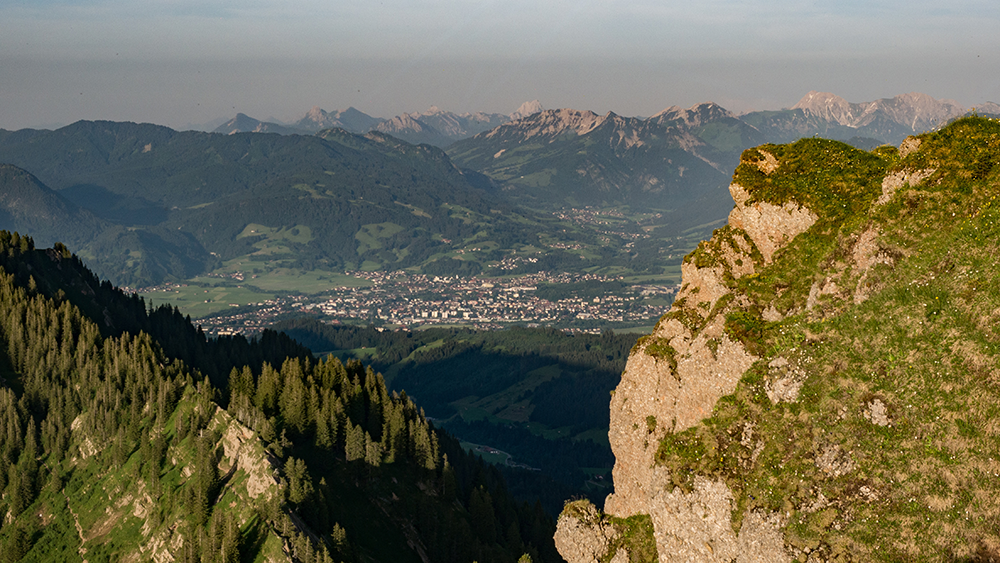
x=821 y=388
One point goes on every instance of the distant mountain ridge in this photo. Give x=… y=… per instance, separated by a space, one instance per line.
x=920 y=111
x=433 y=127
x=349 y=119
x=888 y=120
x=570 y=157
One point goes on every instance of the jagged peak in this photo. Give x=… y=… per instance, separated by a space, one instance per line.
x=696 y=115
x=815 y=97
x=243 y=123
x=553 y=122
x=405 y=120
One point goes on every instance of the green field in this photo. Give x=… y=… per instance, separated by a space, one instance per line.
x=200 y=299
x=219 y=290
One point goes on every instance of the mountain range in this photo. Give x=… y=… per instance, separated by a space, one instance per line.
x=145 y=203
x=576 y=158
x=433 y=127
x=817 y=113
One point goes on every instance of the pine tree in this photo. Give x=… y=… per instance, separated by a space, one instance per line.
x=481 y=513
x=354 y=447
x=268 y=386
x=373 y=451
x=300 y=486
x=293 y=397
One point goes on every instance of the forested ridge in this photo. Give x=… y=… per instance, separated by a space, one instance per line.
x=144 y=204
x=174 y=204
x=110 y=447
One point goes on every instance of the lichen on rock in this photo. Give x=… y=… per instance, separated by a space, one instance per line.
x=583 y=534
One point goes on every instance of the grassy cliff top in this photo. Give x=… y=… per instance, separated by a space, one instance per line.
x=838 y=181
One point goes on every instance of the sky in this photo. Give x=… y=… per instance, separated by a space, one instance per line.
x=184 y=63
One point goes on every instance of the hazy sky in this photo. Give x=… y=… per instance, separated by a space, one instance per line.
x=180 y=62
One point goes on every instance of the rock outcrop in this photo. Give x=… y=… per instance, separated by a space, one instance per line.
x=672 y=381
x=791 y=404
x=584 y=534
x=660 y=394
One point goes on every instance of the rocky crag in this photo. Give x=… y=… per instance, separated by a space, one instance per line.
x=825 y=386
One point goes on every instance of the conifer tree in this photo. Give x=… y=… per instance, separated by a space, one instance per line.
x=354 y=447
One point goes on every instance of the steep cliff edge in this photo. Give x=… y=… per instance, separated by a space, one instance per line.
x=825 y=386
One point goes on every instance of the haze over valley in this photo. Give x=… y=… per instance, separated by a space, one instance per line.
x=430 y=282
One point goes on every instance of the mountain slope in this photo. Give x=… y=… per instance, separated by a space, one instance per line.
x=536 y=394
x=567 y=157
x=112 y=449
x=198 y=192
x=27 y=205
x=824 y=386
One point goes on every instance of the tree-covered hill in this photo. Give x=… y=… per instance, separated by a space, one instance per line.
x=151 y=204
x=27 y=205
x=113 y=448
x=151 y=181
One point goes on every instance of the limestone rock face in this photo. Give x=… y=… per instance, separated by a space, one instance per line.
x=660 y=394
x=677 y=399
x=696 y=526
x=769 y=225
x=583 y=535
x=243 y=450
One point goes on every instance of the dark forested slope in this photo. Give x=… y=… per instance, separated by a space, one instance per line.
x=110 y=448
